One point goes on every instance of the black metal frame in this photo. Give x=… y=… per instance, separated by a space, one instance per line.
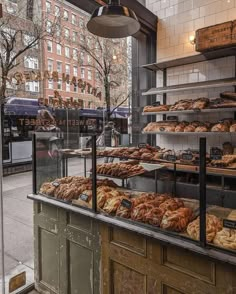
x=34 y=166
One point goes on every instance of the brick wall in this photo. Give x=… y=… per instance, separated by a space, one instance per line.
x=179 y=19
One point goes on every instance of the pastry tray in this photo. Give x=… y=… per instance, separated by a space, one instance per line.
x=121 y=178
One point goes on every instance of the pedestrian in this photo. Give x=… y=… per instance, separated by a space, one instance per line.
x=111 y=138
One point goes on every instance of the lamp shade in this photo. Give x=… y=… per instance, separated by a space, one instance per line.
x=113 y=21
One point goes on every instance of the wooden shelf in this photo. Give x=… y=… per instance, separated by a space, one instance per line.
x=200 y=111
x=192 y=59
x=191 y=86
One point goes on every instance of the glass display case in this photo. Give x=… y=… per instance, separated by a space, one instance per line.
x=173 y=193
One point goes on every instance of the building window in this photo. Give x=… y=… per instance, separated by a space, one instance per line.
x=48 y=7
x=82 y=73
x=67 y=87
x=75 y=71
x=82 y=39
x=89 y=74
x=57 y=11
x=75 y=88
x=50 y=84
x=66 y=15
x=49 y=46
x=32 y=86
x=75 y=54
x=50 y=65
x=59 y=85
x=31 y=62
x=67 y=33
x=82 y=56
x=67 y=69
x=83 y=91
x=49 y=26
x=67 y=52
x=58 y=49
x=59 y=66
x=73 y=19
x=81 y=23
x=74 y=36
x=28 y=40
x=97 y=75
x=58 y=30
x=89 y=59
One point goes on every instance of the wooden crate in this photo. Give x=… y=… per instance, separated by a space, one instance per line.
x=214 y=37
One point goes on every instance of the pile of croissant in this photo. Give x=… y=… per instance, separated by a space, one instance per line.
x=225 y=125
x=69 y=188
x=121 y=170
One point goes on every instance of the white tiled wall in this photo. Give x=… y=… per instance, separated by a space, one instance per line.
x=179 y=19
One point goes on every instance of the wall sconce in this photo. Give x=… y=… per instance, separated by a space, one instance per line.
x=192 y=40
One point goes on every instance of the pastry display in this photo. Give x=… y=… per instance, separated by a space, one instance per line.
x=113 y=203
x=213 y=225
x=154 y=216
x=226 y=125
x=200 y=103
x=138 y=212
x=177 y=220
x=226 y=161
x=121 y=170
x=226 y=238
x=182 y=105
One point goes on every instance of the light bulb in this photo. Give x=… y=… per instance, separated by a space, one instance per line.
x=192 y=39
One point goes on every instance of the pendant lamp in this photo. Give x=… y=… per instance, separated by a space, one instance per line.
x=113 y=21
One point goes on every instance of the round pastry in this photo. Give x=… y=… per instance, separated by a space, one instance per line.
x=180 y=128
x=135 y=154
x=138 y=212
x=213 y=225
x=189 y=128
x=177 y=220
x=228 y=148
x=201 y=129
x=154 y=216
x=233 y=128
x=147 y=156
x=226 y=238
x=200 y=103
x=221 y=127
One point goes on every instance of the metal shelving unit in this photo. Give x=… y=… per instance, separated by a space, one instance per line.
x=197 y=111
x=191 y=133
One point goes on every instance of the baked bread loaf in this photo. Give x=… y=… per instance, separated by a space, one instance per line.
x=172 y=204
x=48 y=189
x=213 y=225
x=189 y=128
x=201 y=129
x=154 y=216
x=182 y=105
x=226 y=238
x=177 y=220
x=138 y=212
x=200 y=103
x=113 y=203
x=157 y=108
x=233 y=128
x=220 y=127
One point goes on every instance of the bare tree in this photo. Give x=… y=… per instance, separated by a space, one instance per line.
x=110 y=59
x=20 y=32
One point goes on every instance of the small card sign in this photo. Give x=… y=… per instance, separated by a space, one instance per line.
x=215 y=153
x=197 y=110
x=157 y=103
x=142 y=145
x=171 y=157
x=84 y=197
x=172 y=118
x=216 y=101
x=230 y=224
x=162 y=129
x=126 y=203
x=187 y=156
x=55 y=184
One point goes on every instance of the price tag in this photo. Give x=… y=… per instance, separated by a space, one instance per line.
x=216 y=101
x=142 y=145
x=162 y=129
x=84 y=197
x=170 y=157
x=157 y=103
x=216 y=153
x=172 y=118
x=197 y=110
x=55 y=184
x=126 y=203
x=230 y=224
x=187 y=156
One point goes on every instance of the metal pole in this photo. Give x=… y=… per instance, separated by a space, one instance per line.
x=34 y=165
x=1 y=212
x=94 y=173
x=202 y=180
